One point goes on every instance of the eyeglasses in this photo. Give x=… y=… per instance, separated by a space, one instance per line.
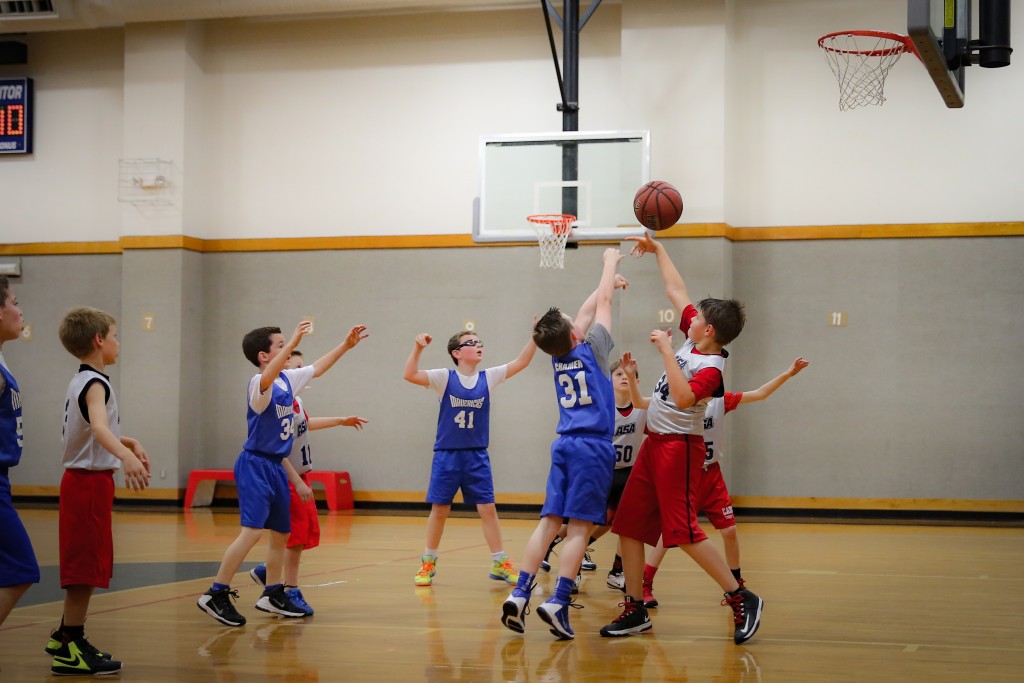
x=471 y=342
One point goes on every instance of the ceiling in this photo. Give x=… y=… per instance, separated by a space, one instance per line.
x=65 y=15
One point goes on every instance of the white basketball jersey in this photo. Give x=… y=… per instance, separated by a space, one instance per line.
x=81 y=449
x=301 y=456
x=714 y=430
x=663 y=417
x=629 y=434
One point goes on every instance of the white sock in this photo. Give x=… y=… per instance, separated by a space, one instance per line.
x=496 y=557
x=430 y=552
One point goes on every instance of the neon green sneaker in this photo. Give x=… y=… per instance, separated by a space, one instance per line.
x=502 y=570
x=79 y=658
x=425 y=576
x=55 y=643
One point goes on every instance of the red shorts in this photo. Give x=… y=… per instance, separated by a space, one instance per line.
x=305 y=522
x=662 y=494
x=714 y=498
x=85 y=531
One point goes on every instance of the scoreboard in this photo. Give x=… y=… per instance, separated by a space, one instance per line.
x=15 y=115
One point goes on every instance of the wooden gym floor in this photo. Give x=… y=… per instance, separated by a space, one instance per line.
x=871 y=603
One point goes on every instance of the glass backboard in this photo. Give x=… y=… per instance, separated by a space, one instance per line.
x=593 y=176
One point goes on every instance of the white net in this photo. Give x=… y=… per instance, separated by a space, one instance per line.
x=860 y=62
x=552 y=234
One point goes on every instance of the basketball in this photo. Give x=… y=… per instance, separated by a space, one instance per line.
x=658 y=205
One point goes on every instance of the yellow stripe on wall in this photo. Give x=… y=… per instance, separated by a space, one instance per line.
x=458 y=241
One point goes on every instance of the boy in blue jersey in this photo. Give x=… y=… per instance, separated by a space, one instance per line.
x=460 y=449
x=263 y=495
x=582 y=457
x=18 y=566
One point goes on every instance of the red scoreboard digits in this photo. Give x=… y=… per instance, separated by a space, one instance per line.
x=15 y=116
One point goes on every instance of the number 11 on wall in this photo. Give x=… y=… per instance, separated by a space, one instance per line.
x=837 y=319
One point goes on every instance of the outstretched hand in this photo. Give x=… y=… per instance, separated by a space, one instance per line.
x=620 y=282
x=423 y=340
x=301 y=330
x=353 y=421
x=798 y=365
x=662 y=339
x=643 y=245
x=627 y=364
x=356 y=335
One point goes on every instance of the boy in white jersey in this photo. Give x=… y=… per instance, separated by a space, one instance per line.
x=715 y=502
x=305 y=533
x=94 y=450
x=661 y=495
x=460 y=449
x=261 y=478
x=630 y=425
x=18 y=566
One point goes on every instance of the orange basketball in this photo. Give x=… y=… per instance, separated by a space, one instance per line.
x=658 y=205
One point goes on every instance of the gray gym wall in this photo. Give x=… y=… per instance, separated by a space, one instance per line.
x=912 y=399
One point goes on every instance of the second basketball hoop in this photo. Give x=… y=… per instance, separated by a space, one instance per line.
x=860 y=61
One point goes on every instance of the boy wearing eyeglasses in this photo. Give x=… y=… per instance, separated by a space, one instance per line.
x=460 y=449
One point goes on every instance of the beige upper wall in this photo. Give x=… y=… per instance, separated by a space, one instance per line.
x=369 y=125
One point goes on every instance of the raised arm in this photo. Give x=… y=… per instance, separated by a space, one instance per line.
x=522 y=360
x=324 y=362
x=328 y=422
x=277 y=363
x=768 y=388
x=603 y=293
x=628 y=366
x=675 y=287
x=585 y=317
x=412 y=365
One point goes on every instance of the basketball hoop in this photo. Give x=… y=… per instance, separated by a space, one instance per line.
x=860 y=61
x=552 y=233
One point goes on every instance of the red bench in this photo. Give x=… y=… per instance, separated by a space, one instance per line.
x=337 y=486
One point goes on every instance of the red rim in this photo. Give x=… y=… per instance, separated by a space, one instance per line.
x=903 y=43
x=560 y=222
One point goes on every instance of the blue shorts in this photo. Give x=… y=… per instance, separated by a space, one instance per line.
x=17 y=560
x=580 y=478
x=263 y=497
x=468 y=469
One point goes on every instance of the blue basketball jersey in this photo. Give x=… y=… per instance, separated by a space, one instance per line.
x=270 y=432
x=464 y=420
x=11 y=439
x=586 y=401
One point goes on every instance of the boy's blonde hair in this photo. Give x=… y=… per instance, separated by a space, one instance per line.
x=80 y=326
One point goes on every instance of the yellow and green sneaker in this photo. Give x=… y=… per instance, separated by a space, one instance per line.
x=79 y=658
x=55 y=643
x=425 y=576
x=502 y=570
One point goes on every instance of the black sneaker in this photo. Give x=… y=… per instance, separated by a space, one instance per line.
x=588 y=564
x=746 y=612
x=278 y=602
x=634 y=619
x=218 y=605
x=545 y=564
x=79 y=658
